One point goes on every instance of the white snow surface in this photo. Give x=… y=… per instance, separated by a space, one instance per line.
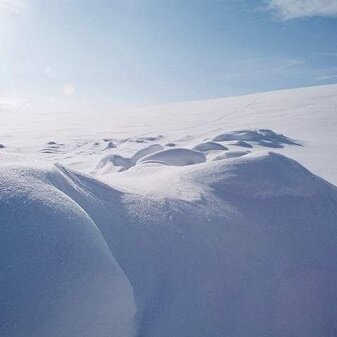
x=175 y=157
x=218 y=218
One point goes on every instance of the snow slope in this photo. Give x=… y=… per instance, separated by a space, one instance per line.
x=198 y=224
x=58 y=277
x=241 y=233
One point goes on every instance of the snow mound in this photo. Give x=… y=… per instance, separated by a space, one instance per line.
x=146 y=151
x=257 y=246
x=261 y=175
x=175 y=157
x=114 y=160
x=264 y=137
x=52 y=147
x=110 y=145
x=58 y=277
x=242 y=144
x=230 y=154
x=209 y=146
x=276 y=238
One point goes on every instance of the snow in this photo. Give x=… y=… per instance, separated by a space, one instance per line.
x=175 y=157
x=209 y=146
x=262 y=137
x=242 y=144
x=231 y=154
x=126 y=163
x=146 y=151
x=58 y=277
x=217 y=219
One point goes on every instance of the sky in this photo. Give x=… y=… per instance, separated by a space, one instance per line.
x=82 y=54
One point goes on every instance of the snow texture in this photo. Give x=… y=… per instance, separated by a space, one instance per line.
x=175 y=157
x=209 y=146
x=174 y=230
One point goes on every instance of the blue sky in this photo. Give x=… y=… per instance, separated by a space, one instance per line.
x=81 y=54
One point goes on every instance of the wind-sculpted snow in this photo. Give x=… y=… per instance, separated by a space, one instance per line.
x=175 y=157
x=242 y=143
x=115 y=160
x=161 y=240
x=262 y=137
x=209 y=146
x=231 y=154
x=57 y=274
x=253 y=255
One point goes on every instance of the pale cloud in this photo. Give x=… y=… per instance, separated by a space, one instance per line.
x=290 y=9
x=14 y=6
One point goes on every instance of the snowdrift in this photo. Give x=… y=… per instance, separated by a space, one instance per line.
x=175 y=157
x=57 y=274
x=264 y=137
x=253 y=255
x=115 y=160
x=209 y=146
x=231 y=154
